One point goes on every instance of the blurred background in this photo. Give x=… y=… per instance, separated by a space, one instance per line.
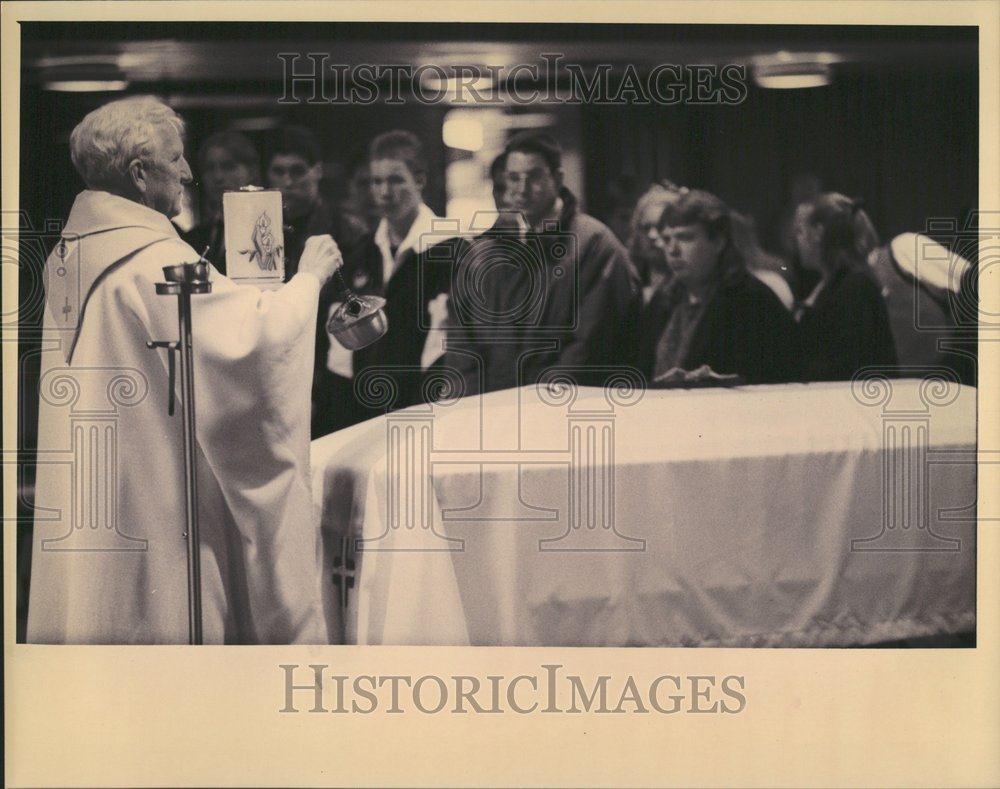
x=889 y=114
x=885 y=112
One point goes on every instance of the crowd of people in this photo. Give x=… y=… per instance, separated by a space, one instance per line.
x=689 y=293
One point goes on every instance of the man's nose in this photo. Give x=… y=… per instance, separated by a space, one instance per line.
x=186 y=175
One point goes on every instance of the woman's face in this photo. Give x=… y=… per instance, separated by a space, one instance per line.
x=807 y=239
x=649 y=246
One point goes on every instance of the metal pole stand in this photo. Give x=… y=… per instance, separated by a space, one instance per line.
x=182 y=281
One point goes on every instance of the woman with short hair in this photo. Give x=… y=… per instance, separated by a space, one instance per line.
x=712 y=311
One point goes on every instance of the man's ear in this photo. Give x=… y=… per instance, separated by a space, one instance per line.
x=421 y=181
x=318 y=170
x=137 y=175
x=559 y=177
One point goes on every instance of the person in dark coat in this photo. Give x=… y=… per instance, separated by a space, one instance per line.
x=554 y=287
x=843 y=320
x=712 y=311
x=227 y=161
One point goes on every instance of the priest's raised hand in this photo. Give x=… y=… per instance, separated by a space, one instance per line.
x=321 y=257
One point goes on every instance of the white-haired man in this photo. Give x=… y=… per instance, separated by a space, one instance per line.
x=109 y=556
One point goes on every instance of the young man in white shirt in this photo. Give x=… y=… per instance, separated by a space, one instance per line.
x=391 y=263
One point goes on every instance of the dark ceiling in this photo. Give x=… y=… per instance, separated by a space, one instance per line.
x=248 y=52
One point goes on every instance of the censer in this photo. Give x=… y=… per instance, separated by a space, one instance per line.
x=359 y=320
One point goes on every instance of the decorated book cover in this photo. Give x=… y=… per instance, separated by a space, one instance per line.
x=255 y=245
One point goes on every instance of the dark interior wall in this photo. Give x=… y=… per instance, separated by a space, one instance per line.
x=905 y=141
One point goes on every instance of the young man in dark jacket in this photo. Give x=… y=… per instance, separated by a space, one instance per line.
x=390 y=262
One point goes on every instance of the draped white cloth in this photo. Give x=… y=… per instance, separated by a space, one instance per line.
x=797 y=515
x=109 y=556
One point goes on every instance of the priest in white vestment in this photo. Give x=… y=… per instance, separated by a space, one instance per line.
x=109 y=562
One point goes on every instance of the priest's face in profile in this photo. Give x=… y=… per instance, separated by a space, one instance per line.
x=692 y=255
x=532 y=188
x=161 y=177
x=396 y=191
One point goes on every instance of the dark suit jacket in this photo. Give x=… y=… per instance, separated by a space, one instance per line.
x=745 y=330
x=567 y=297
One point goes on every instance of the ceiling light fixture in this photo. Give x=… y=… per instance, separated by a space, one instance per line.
x=789 y=70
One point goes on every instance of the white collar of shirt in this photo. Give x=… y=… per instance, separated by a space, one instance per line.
x=523 y=228
x=554 y=215
x=810 y=302
x=422 y=225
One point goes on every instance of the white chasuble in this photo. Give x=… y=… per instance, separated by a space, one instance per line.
x=109 y=561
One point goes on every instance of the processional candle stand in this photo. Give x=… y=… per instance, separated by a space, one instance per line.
x=183 y=281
